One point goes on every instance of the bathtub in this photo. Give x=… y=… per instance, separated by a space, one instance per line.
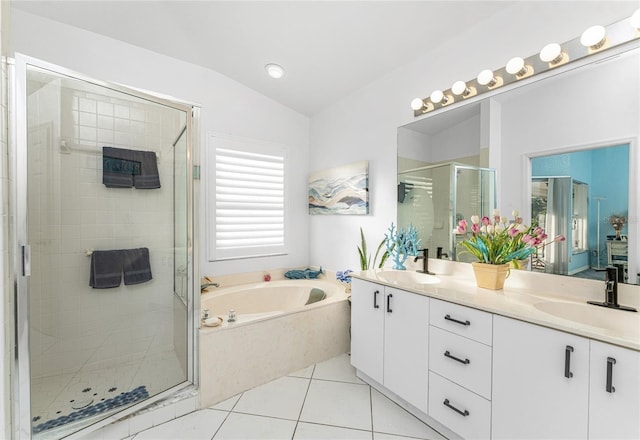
x=275 y=334
x=261 y=300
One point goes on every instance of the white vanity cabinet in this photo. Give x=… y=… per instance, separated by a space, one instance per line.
x=614 y=392
x=460 y=368
x=367 y=328
x=540 y=382
x=389 y=339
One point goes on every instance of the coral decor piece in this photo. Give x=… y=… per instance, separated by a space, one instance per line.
x=402 y=244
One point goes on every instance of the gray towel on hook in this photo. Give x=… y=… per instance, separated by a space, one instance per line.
x=136 y=266
x=106 y=269
x=149 y=178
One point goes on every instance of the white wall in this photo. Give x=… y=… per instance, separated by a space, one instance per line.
x=364 y=125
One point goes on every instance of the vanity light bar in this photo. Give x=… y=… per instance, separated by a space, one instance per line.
x=593 y=40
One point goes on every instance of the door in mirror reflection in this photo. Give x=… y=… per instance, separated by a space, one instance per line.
x=435 y=197
x=582 y=195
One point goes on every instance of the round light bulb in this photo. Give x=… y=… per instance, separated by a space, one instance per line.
x=486 y=78
x=459 y=88
x=417 y=104
x=551 y=53
x=593 y=37
x=635 y=19
x=274 y=70
x=436 y=96
x=515 y=66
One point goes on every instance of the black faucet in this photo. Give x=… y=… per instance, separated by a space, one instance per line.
x=425 y=261
x=439 y=254
x=611 y=292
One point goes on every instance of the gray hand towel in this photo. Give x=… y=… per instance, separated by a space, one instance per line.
x=149 y=178
x=118 y=167
x=137 y=268
x=106 y=269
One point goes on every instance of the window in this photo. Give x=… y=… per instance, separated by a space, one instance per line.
x=246 y=209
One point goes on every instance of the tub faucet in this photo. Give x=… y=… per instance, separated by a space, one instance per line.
x=611 y=292
x=211 y=284
x=425 y=261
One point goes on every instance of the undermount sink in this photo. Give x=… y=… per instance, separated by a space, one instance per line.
x=407 y=277
x=591 y=315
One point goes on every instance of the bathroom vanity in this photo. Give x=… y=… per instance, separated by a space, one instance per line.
x=509 y=364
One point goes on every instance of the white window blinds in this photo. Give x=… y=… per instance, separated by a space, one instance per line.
x=246 y=183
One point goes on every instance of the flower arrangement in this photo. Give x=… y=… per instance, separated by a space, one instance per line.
x=617 y=222
x=345 y=279
x=402 y=244
x=498 y=241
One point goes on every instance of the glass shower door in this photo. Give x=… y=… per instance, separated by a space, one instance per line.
x=108 y=296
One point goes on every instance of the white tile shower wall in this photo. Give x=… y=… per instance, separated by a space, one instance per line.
x=72 y=212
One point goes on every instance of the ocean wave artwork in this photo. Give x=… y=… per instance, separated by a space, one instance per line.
x=342 y=190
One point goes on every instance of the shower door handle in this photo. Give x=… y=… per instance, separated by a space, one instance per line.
x=26 y=260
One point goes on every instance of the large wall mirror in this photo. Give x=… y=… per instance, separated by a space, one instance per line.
x=565 y=151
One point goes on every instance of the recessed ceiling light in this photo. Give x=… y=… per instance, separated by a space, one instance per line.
x=274 y=70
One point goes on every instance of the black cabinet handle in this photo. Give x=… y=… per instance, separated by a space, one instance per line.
x=446 y=403
x=375 y=299
x=610 y=362
x=567 y=361
x=449 y=318
x=389 y=296
x=462 y=361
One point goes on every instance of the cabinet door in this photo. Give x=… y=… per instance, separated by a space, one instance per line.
x=614 y=393
x=540 y=382
x=367 y=327
x=406 y=340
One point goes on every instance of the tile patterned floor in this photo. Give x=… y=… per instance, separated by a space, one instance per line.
x=323 y=401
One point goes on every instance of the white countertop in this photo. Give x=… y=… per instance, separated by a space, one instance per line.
x=526 y=295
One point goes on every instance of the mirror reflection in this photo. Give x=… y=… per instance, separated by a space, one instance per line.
x=578 y=195
x=583 y=193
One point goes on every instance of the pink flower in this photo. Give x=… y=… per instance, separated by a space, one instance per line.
x=463 y=223
x=518 y=220
x=513 y=232
x=538 y=230
x=486 y=220
x=475 y=228
x=462 y=229
x=559 y=238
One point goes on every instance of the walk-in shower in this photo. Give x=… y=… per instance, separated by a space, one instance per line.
x=103 y=222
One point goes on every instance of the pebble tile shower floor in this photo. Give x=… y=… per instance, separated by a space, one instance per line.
x=64 y=399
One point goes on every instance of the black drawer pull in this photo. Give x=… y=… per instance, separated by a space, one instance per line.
x=449 y=318
x=462 y=361
x=446 y=403
x=567 y=361
x=610 y=387
x=389 y=296
x=375 y=299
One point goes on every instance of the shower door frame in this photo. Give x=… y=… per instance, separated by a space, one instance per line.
x=19 y=240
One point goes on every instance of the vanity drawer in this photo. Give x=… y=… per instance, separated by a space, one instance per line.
x=461 y=360
x=465 y=321
x=460 y=410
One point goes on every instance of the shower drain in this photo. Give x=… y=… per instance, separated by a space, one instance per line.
x=79 y=404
